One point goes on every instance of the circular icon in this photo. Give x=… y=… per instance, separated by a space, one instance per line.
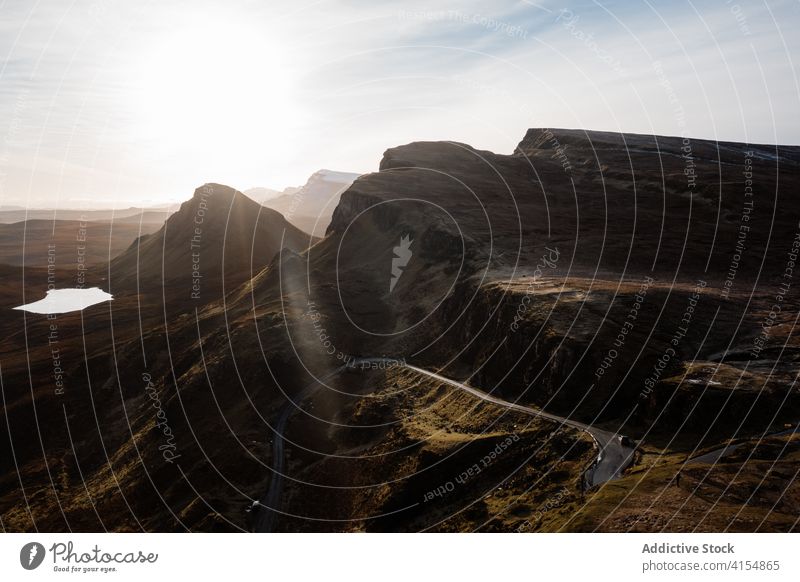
x=31 y=555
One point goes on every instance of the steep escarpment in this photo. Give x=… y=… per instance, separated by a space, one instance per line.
x=558 y=239
x=604 y=143
x=618 y=206
x=683 y=205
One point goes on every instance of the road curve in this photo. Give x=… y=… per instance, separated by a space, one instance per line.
x=613 y=456
x=612 y=459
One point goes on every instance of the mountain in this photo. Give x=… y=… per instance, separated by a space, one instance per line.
x=598 y=195
x=72 y=244
x=604 y=278
x=521 y=265
x=311 y=206
x=215 y=241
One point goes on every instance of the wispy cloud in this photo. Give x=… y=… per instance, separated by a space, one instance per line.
x=361 y=76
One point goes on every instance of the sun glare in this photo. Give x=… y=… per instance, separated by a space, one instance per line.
x=213 y=83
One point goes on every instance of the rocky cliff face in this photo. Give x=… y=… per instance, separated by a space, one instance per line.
x=618 y=208
x=218 y=239
x=599 y=352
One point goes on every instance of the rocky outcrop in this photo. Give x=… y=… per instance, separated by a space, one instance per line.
x=218 y=239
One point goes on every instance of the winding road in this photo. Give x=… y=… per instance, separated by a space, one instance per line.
x=612 y=459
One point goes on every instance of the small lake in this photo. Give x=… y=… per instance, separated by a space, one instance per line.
x=67 y=300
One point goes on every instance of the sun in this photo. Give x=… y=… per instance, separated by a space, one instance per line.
x=215 y=86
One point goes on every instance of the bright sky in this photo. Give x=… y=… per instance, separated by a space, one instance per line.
x=120 y=103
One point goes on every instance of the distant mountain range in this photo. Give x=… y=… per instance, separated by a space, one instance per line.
x=26 y=233
x=310 y=206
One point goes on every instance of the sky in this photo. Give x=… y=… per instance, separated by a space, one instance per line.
x=111 y=103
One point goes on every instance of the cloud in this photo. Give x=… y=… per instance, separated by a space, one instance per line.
x=365 y=76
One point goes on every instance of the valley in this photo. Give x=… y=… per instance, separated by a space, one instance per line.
x=453 y=351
